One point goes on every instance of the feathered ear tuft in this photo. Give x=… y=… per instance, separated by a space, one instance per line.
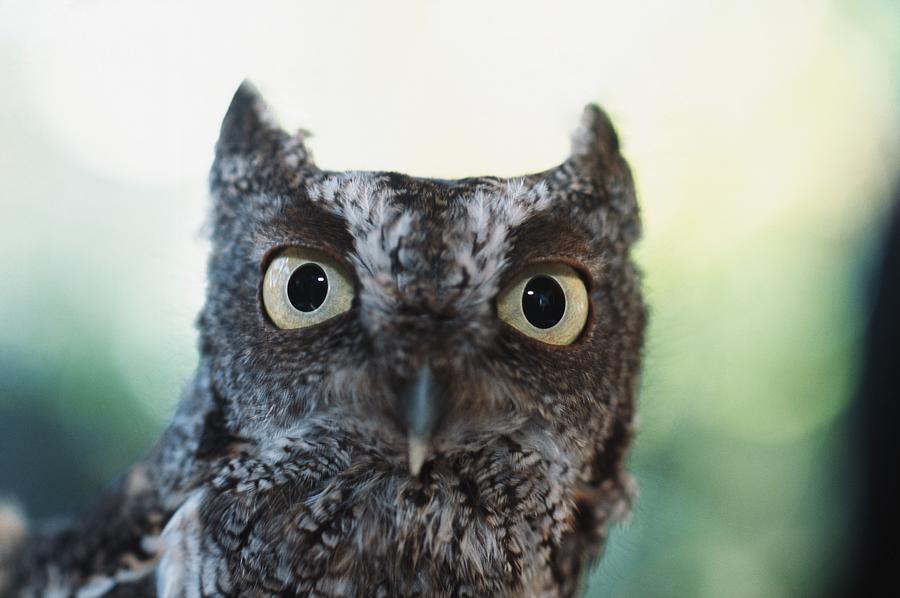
x=595 y=140
x=594 y=185
x=254 y=155
x=248 y=122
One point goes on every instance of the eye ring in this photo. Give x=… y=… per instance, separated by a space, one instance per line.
x=547 y=302
x=303 y=287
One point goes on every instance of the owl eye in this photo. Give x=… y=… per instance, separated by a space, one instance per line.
x=303 y=287
x=547 y=302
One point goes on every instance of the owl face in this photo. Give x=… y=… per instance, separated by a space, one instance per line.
x=418 y=318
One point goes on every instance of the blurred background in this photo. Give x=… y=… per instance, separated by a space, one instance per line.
x=763 y=135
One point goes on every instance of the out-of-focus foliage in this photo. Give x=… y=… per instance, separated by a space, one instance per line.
x=763 y=137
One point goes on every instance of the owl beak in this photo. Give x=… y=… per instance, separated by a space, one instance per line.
x=422 y=407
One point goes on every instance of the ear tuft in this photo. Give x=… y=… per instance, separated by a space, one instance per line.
x=595 y=139
x=254 y=155
x=247 y=123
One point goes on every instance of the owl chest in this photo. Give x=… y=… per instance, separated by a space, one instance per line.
x=335 y=529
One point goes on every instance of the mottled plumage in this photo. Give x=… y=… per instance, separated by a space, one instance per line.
x=288 y=469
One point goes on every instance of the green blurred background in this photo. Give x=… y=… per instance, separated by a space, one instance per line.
x=764 y=139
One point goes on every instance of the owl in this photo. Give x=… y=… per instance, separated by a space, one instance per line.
x=406 y=387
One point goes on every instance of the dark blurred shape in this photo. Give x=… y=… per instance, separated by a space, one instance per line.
x=39 y=467
x=42 y=464
x=875 y=554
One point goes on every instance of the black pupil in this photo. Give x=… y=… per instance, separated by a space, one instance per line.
x=543 y=302
x=307 y=287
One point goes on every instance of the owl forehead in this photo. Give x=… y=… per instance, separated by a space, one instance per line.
x=420 y=239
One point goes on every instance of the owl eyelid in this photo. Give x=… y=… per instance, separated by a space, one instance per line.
x=576 y=345
x=340 y=260
x=520 y=268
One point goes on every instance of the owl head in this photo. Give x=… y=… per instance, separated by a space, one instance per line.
x=421 y=320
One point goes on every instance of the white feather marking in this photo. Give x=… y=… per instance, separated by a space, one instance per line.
x=476 y=238
x=13 y=530
x=179 y=572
